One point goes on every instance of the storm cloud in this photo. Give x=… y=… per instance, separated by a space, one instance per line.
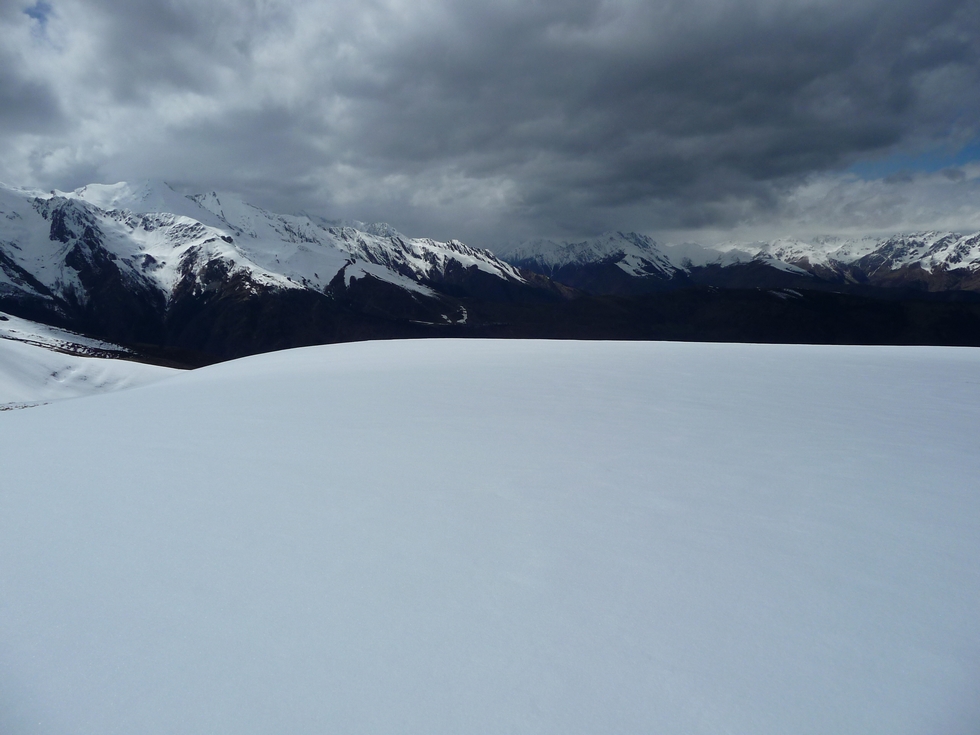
x=506 y=119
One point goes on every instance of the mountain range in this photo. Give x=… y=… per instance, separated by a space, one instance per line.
x=143 y=264
x=631 y=263
x=192 y=279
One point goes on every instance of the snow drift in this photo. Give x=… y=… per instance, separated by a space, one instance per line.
x=40 y=363
x=527 y=537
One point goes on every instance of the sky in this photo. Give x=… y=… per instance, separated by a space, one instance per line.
x=505 y=120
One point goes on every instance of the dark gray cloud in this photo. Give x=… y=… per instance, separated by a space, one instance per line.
x=26 y=105
x=27 y=101
x=494 y=119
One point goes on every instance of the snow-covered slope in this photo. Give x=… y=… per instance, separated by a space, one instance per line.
x=146 y=197
x=61 y=340
x=522 y=537
x=39 y=364
x=295 y=242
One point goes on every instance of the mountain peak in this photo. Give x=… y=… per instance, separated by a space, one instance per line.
x=140 y=197
x=381 y=229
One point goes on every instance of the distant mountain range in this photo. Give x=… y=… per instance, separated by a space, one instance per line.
x=630 y=263
x=191 y=279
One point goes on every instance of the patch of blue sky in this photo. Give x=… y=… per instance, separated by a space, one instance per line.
x=929 y=161
x=40 y=11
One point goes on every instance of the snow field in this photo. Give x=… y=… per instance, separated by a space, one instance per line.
x=32 y=373
x=490 y=536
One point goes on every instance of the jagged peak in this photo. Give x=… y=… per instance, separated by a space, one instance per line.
x=382 y=229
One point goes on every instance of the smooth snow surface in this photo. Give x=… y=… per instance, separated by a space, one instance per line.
x=501 y=537
x=36 y=367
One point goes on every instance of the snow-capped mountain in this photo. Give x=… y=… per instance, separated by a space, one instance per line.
x=634 y=254
x=629 y=263
x=929 y=250
x=275 y=249
x=298 y=246
x=931 y=260
x=138 y=262
x=611 y=263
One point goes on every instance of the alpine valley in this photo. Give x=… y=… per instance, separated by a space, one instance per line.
x=188 y=280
